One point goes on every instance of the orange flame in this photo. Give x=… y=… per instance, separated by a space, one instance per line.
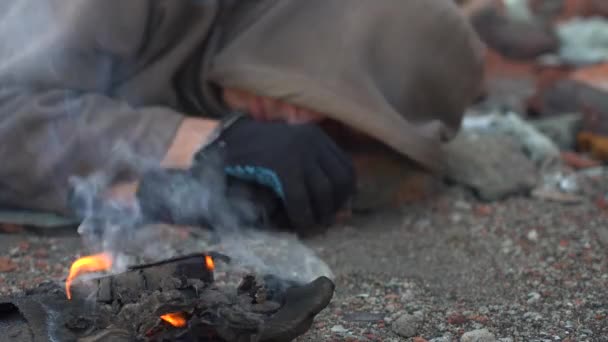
x=209 y=263
x=176 y=319
x=88 y=264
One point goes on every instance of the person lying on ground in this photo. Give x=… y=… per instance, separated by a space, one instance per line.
x=76 y=78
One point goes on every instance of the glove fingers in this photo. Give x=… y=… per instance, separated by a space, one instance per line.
x=342 y=178
x=322 y=195
x=252 y=202
x=331 y=145
x=298 y=206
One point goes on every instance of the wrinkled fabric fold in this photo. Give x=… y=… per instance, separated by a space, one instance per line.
x=401 y=71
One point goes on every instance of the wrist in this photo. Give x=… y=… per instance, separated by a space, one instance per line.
x=124 y=192
x=191 y=135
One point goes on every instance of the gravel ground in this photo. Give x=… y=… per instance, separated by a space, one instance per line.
x=441 y=270
x=522 y=269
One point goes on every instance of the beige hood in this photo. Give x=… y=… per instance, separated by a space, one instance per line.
x=402 y=71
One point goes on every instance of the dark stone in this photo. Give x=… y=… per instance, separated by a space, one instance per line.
x=513 y=39
x=568 y=96
x=78 y=323
x=562 y=129
x=247 y=286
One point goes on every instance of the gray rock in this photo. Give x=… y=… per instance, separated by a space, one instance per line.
x=602 y=234
x=533 y=297
x=363 y=317
x=481 y=335
x=584 y=40
x=536 y=145
x=445 y=338
x=562 y=129
x=407 y=325
x=493 y=165
x=338 y=329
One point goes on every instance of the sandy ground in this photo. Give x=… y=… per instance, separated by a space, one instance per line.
x=523 y=269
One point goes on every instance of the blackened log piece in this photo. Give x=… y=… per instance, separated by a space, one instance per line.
x=109 y=335
x=233 y=321
x=209 y=313
x=268 y=288
x=49 y=316
x=128 y=287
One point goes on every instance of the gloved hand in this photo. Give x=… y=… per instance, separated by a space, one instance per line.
x=305 y=169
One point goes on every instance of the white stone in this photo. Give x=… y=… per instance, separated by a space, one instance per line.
x=481 y=335
x=338 y=329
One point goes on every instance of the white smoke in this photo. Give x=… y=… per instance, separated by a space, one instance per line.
x=33 y=43
x=32 y=36
x=120 y=229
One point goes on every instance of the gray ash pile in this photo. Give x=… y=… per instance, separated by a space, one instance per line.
x=171 y=300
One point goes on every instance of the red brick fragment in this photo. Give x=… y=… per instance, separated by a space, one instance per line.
x=583 y=8
x=373 y=337
x=9 y=228
x=578 y=161
x=42 y=265
x=483 y=210
x=419 y=339
x=24 y=246
x=457 y=319
x=595 y=144
x=601 y=203
x=479 y=319
x=594 y=75
x=7 y=265
x=41 y=253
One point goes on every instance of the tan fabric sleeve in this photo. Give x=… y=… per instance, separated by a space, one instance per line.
x=46 y=136
x=78 y=78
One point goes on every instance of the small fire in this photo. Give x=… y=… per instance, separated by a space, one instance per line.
x=176 y=319
x=88 y=264
x=209 y=263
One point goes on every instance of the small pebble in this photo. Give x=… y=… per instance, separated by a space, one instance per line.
x=7 y=265
x=532 y=235
x=533 y=297
x=457 y=319
x=338 y=329
x=481 y=335
x=407 y=325
x=363 y=317
x=445 y=338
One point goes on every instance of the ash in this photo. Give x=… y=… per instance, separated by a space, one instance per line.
x=130 y=306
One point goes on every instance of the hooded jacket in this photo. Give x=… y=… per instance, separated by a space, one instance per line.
x=79 y=78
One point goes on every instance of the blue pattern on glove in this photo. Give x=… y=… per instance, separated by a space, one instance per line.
x=259 y=175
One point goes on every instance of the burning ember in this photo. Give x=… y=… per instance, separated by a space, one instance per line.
x=181 y=291
x=88 y=264
x=176 y=319
x=209 y=263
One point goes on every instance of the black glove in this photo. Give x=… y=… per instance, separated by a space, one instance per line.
x=306 y=170
x=201 y=197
